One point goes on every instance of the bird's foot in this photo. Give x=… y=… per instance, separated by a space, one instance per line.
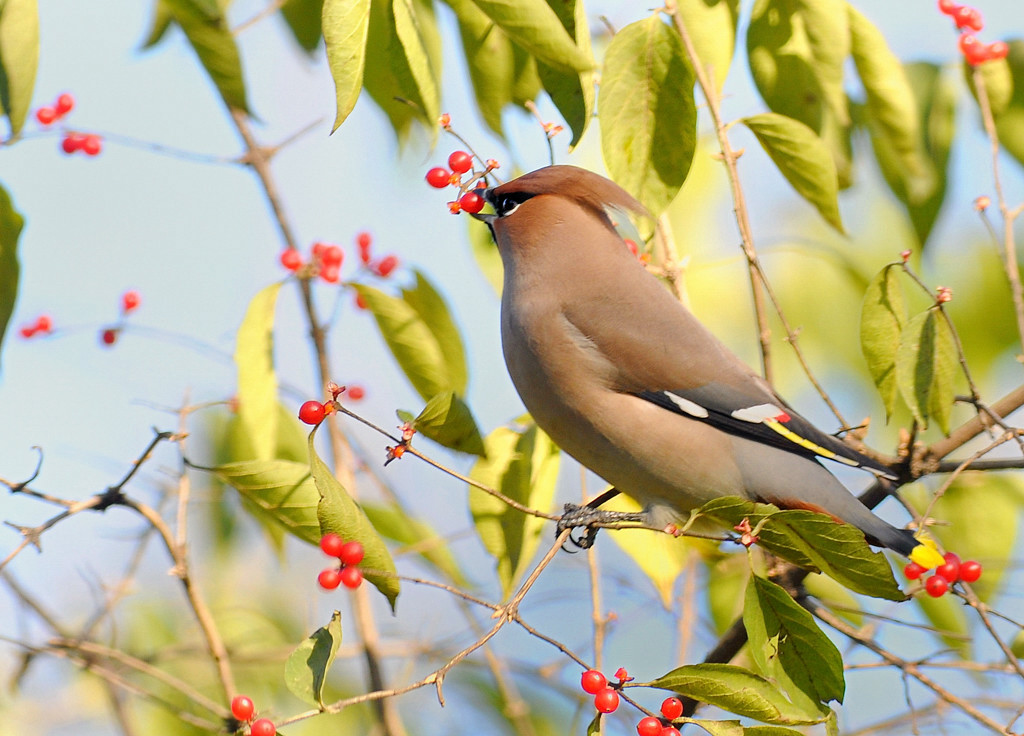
x=591 y=519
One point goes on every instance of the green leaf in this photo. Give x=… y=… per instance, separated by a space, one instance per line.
x=571 y=91
x=718 y=728
x=522 y=465
x=796 y=50
x=813 y=541
x=160 y=24
x=345 y=26
x=803 y=159
x=337 y=512
x=770 y=731
x=257 y=381
x=891 y=104
x=304 y=21
x=835 y=597
x=305 y=670
x=279 y=491
x=486 y=254
x=1010 y=122
x=421 y=335
x=534 y=25
x=882 y=316
x=736 y=690
x=416 y=537
x=489 y=59
x=647 y=113
x=712 y=27
x=789 y=648
x=214 y=44
x=11 y=224
x=925 y=368
x=413 y=22
x=997 y=80
x=936 y=105
x=726 y=581
x=448 y=421
x=19 y=58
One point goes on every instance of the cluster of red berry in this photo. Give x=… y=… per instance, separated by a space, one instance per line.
x=243 y=709
x=459 y=163
x=969 y=19
x=314 y=412
x=952 y=571
x=130 y=301
x=671 y=708
x=606 y=700
x=349 y=555
x=326 y=259
x=50 y=114
x=88 y=143
x=42 y=326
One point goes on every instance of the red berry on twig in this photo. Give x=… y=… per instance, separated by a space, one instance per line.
x=649 y=726
x=331 y=544
x=262 y=727
x=970 y=571
x=593 y=682
x=471 y=202
x=351 y=577
x=351 y=553
x=607 y=700
x=46 y=115
x=460 y=162
x=936 y=586
x=672 y=708
x=329 y=579
x=242 y=708
x=438 y=177
x=312 y=412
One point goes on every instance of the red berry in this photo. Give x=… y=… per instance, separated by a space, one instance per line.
x=438 y=177
x=351 y=577
x=330 y=273
x=332 y=255
x=471 y=202
x=951 y=569
x=936 y=586
x=72 y=142
x=607 y=700
x=242 y=708
x=46 y=115
x=913 y=571
x=364 y=240
x=44 y=323
x=351 y=553
x=27 y=331
x=386 y=265
x=361 y=302
x=108 y=336
x=329 y=579
x=262 y=727
x=967 y=17
x=997 y=50
x=669 y=731
x=312 y=412
x=649 y=726
x=460 y=162
x=970 y=571
x=291 y=259
x=947 y=6
x=64 y=104
x=593 y=682
x=974 y=51
x=130 y=301
x=672 y=708
x=355 y=393
x=92 y=145
x=331 y=544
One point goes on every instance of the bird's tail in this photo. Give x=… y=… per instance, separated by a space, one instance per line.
x=921 y=550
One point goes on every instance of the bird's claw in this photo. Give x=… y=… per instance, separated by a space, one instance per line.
x=590 y=519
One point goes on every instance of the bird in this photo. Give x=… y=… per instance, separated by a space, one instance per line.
x=625 y=379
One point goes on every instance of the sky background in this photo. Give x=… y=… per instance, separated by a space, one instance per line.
x=196 y=240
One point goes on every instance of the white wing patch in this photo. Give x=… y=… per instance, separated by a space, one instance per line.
x=688 y=407
x=759 y=413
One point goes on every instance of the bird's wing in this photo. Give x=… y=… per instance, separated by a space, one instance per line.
x=773 y=423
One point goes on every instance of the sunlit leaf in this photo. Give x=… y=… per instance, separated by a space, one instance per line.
x=304 y=21
x=1010 y=122
x=789 y=648
x=434 y=312
x=711 y=25
x=522 y=465
x=345 y=25
x=337 y=513
x=414 y=21
x=305 y=670
x=997 y=80
x=279 y=491
x=489 y=60
x=926 y=366
x=19 y=58
x=447 y=420
x=257 y=381
x=534 y=25
x=803 y=159
x=11 y=223
x=572 y=91
x=158 y=27
x=647 y=112
x=883 y=314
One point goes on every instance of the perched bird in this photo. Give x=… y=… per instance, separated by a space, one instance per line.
x=626 y=380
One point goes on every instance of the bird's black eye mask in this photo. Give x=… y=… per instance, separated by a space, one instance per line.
x=503 y=204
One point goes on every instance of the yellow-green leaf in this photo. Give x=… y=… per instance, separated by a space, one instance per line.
x=926 y=366
x=711 y=25
x=345 y=25
x=572 y=91
x=489 y=59
x=304 y=21
x=278 y=491
x=1010 y=122
x=411 y=29
x=647 y=112
x=447 y=420
x=534 y=25
x=523 y=465
x=803 y=159
x=257 y=381
x=11 y=223
x=19 y=58
x=997 y=80
x=338 y=513
x=305 y=670
x=883 y=314
x=434 y=312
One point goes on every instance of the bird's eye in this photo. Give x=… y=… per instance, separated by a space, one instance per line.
x=506 y=204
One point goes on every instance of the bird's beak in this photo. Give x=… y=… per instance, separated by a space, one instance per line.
x=487 y=218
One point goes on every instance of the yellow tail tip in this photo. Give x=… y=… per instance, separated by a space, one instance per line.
x=926 y=554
